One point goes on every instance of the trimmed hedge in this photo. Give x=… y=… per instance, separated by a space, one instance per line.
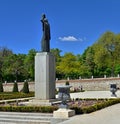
x=95 y=107
x=15 y=95
x=15 y=87
x=1 y=87
x=50 y=109
x=67 y=83
x=25 y=87
x=43 y=109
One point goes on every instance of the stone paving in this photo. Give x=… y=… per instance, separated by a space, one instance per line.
x=109 y=115
x=94 y=94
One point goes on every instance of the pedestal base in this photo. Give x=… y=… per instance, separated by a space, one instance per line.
x=38 y=102
x=63 y=113
x=44 y=76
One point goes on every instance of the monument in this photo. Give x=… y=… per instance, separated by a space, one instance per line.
x=45 y=77
x=44 y=69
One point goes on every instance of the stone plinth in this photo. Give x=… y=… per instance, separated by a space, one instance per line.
x=44 y=76
x=38 y=102
x=63 y=113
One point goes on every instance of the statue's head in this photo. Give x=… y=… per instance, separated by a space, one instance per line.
x=43 y=16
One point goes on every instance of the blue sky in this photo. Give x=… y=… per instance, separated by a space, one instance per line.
x=75 y=24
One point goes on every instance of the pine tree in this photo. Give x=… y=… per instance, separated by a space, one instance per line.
x=67 y=83
x=25 y=87
x=15 y=87
x=1 y=87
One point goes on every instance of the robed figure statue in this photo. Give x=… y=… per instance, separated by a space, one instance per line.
x=45 y=43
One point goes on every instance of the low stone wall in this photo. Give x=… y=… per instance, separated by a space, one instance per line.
x=8 y=87
x=99 y=84
x=87 y=84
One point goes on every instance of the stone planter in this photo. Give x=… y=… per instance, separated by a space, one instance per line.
x=113 y=89
x=64 y=95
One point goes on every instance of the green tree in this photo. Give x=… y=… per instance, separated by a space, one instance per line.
x=106 y=52
x=4 y=53
x=29 y=63
x=67 y=83
x=89 y=60
x=1 y=87
x=56 y=52
x=69 y=66
x=15 y=87
x=14 y=67
x=101 y=59
x=25 y=87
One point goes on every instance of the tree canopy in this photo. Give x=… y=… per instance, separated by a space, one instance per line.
x=102 y=58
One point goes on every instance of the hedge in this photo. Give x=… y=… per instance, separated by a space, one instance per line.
x=95 y=107
x=43 y=109
x=50 y=109
x=15 y=95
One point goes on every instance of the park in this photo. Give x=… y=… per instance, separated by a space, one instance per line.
x=55 y=97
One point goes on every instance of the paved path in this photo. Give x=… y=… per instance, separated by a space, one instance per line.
x=109 y=115
x=94 y=94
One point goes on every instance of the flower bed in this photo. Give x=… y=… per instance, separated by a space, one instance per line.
x=88 y=105
x=80 y=106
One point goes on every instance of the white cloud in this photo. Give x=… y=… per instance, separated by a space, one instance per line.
x=70 y=38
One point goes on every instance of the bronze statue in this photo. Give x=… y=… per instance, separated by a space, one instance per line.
x=45 y=43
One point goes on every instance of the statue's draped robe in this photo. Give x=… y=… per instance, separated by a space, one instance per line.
x=46 y=37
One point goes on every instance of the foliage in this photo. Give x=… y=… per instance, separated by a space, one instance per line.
x=25 y=87
x=15 y=95
x=50 y=109
x=29 y=64
x=102 y=58
x=1 y=87
x=16 y=66
x=95 y=107
x=15 y=87
x=42 y=109
x=56 y=52
x=69 y=66
x=4 y=53
x=67 y=83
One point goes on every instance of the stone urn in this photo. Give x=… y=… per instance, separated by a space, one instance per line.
x=113 y=89
x=64 y=95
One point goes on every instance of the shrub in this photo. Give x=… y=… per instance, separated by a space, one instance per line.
x=78 y=110
x=89 y=109
x=67 y=83
x=95 y=107
x=1 y=87
x=25 y=87
x=15 y=95
x=15 y=87
x=44 y=109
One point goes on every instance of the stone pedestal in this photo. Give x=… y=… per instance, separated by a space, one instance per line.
x=44 y=76
x=63 y=113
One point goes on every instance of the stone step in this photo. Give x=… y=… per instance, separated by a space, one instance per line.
x=27 y=114
x=24 y=118
x=28 y=118
x=20 y=121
